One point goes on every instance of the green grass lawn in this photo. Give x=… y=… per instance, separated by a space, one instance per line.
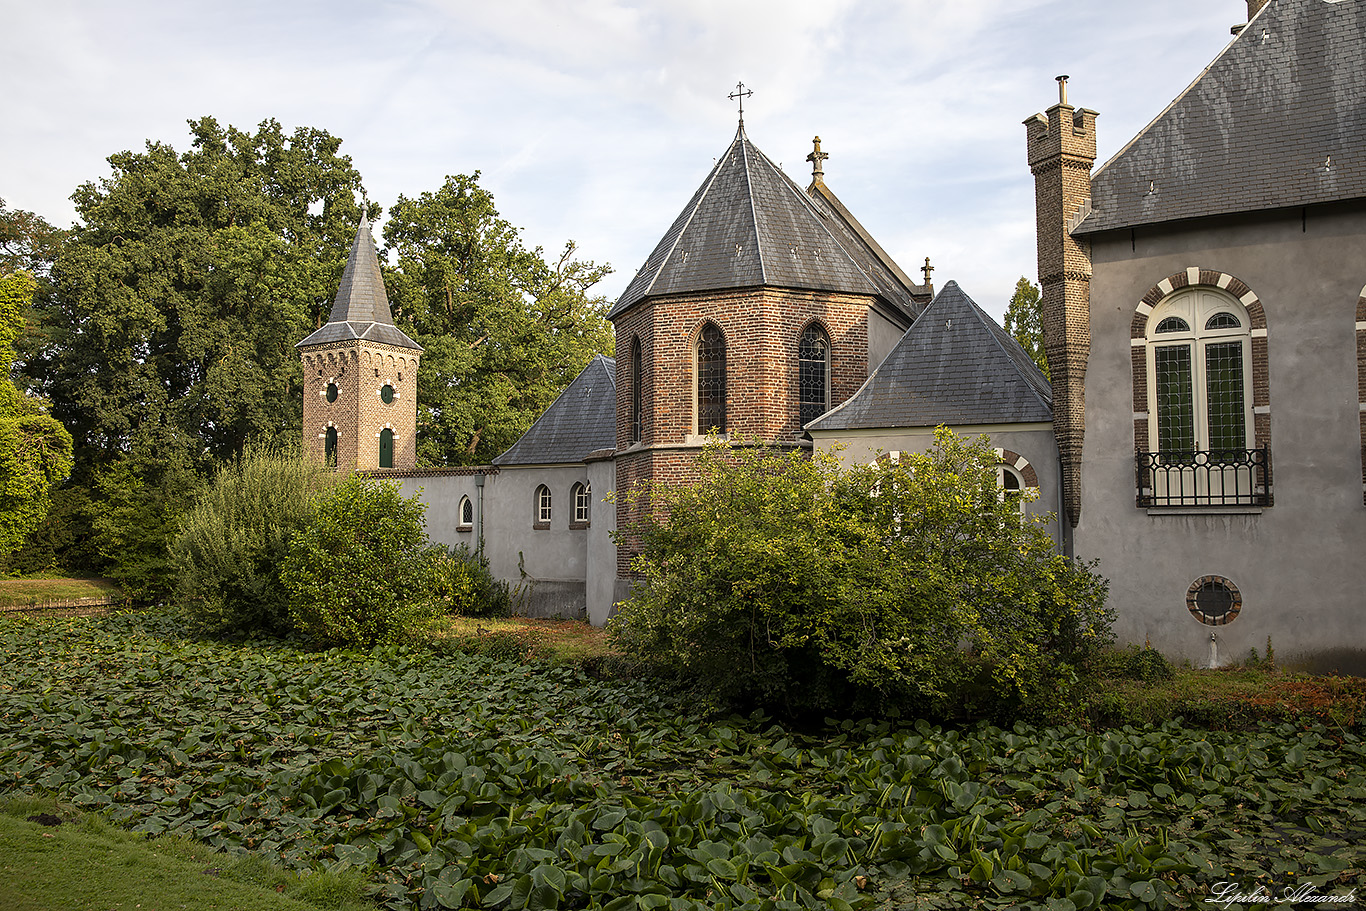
x=468 y=781
x=67 y=861
x=23 y=592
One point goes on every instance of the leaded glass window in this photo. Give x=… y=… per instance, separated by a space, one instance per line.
x=637 y=400
x=711 y=380
x=1175 y=398
x=813 y=374
x=1224 y=393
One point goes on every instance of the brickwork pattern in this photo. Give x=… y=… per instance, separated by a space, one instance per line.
x=360 y=370
x=1361 y=383
x=1261 y=373
x=1062 y=149
x=1020 y=464
x=762 y=327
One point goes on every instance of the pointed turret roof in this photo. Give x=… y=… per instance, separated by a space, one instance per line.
x=580 y=422
x=361 y=309
x=1276 y=121
x=748 y=225
x=955 y=366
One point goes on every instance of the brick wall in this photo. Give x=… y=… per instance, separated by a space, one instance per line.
x=360 y=370
x=762 y=327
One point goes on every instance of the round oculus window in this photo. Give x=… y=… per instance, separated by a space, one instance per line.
x=386 y=394
x=1214 y=600
x=331 y=392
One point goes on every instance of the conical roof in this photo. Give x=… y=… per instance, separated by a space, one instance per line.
x=954 y=366
x=361 y=308
x=581 y=421
x=749 y=225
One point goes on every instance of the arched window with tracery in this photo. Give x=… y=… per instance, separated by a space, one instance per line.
x=813 y=374
x=711 y=380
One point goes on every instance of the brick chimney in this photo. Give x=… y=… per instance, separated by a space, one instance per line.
x=1062 y=149
x=1254 y=7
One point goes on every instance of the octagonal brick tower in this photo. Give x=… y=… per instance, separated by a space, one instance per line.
x=360 y=375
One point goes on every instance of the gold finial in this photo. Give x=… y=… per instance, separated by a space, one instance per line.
x=817 y=157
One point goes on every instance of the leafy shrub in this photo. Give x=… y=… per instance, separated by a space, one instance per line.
x=467 y=587
x=234 y=539
x=1132 y=663
x=360 y=572
x=783 y=580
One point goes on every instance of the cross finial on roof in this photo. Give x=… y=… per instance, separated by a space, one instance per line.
x=927 y=269
x=741 y=93
x=816 y=158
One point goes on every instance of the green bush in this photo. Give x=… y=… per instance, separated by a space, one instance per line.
x=467 y=587
x=1132 y=663
x=235 y=537
x=360 y=571
x=780 y=579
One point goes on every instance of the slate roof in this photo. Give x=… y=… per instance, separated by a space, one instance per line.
x=954 y=366
x=361 y=308
x=1277 y=120
x=580 y=422
x=748 y=225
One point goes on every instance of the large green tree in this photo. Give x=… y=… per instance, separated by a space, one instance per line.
x=504 y=330
x=177 y=299
x=27 y=241
x=1024 y=321
x=35 y=450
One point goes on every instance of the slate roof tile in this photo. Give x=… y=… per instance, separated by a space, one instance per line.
x=954 y=366
x=361 y=308
x=582 y=421
x=1278 y=120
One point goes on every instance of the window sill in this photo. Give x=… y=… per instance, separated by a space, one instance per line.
x=1205 y=510
x=464 y=529
x=540 y=526
x=578 y=526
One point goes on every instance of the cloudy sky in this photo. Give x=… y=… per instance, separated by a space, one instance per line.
x=595 y=120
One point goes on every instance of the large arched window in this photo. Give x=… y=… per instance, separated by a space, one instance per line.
x=813 y=374
x=711 y=380
x=1199 y=349
x=637 y=399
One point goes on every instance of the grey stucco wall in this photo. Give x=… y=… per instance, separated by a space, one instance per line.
x=1033 y=441
x=601 y=555
x=1298 y=564
x=546 y=568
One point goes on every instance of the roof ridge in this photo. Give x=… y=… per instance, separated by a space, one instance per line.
x=753 y=214
x=996 y=331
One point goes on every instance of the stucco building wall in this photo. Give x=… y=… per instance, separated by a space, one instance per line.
x=1297 y=563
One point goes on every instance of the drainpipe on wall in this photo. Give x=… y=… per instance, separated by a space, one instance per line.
x=479 y=484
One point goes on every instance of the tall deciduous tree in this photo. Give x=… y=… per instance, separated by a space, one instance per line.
x=27 y=241
x=1024 y=321
x=504 y=331
x=179 y=296
x=35 y=450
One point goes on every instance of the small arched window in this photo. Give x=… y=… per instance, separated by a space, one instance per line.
x=330 y=447
x=583 y=498
x=542 y=507
x=386 y=448
x=813 y=374
x=466 y=514
x=711 y=380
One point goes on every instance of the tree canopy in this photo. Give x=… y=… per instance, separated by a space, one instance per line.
x=177 y=299
x=35 y=449
x=504 y=331
x=1024 y=321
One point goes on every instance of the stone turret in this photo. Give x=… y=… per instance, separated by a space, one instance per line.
x=360 y=375
x=1062 y=149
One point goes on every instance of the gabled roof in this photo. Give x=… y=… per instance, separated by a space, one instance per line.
x=580 y=422
x=1278 y=120
x=893 y=284
x=954 y=366
x=361 y=308
x=750 y=225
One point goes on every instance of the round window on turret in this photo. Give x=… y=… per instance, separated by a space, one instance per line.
x=386 y=393
x=331 y=392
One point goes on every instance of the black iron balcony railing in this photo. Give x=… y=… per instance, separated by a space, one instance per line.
x=1204 y=478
